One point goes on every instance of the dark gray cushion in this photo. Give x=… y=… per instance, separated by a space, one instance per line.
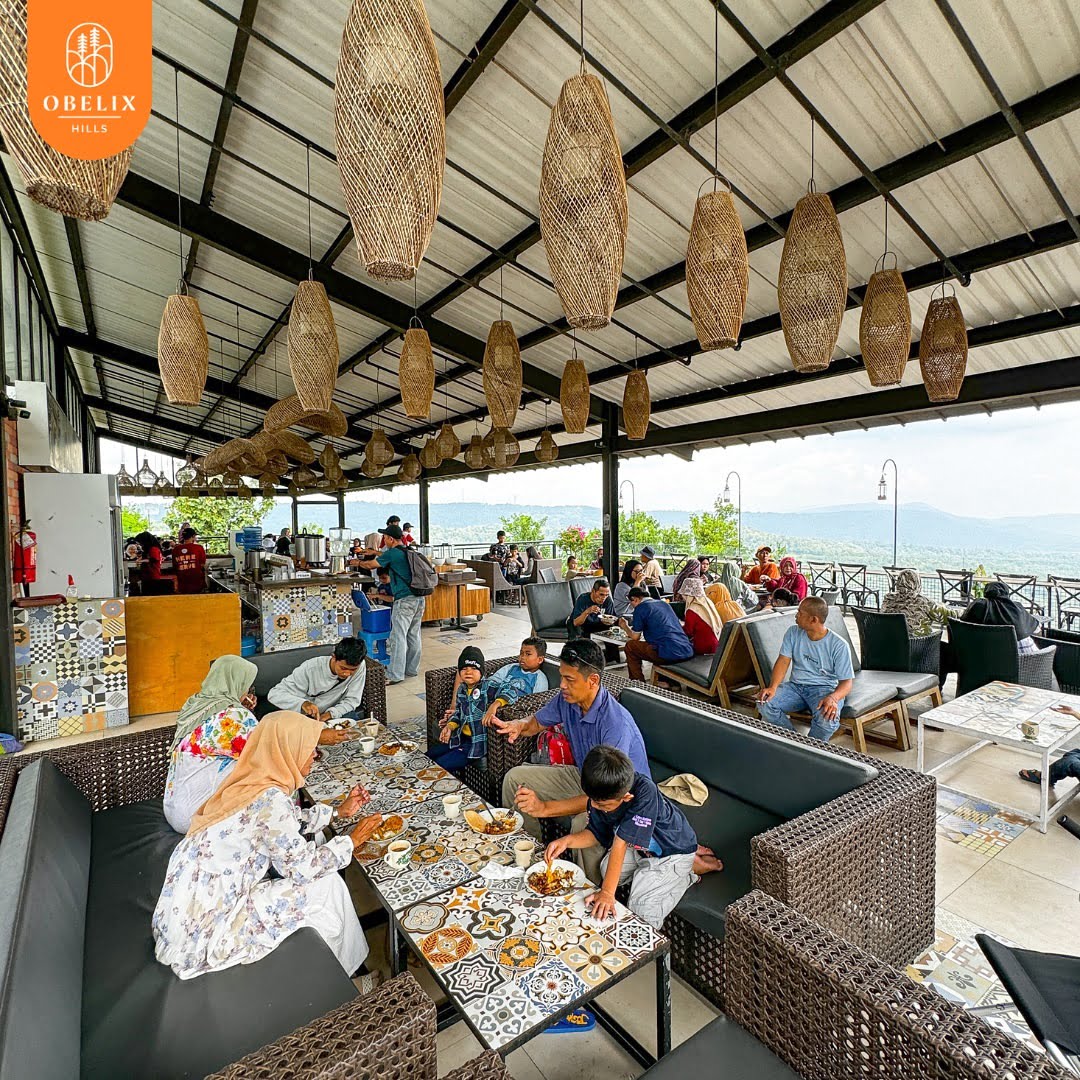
x=549 y=604
x=835 y=622
x=723 y=1048
x=44 y=871
x=579 y=585
x=698 y=669
x=550 y=667
x=769 y=771
x=904 y=684
x=139 y=1019
x=867 y=694
x=765 y=634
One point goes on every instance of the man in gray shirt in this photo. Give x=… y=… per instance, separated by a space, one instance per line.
x=326 y=687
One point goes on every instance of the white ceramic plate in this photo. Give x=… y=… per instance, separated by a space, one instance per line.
x=557 y=864
x=498 y=811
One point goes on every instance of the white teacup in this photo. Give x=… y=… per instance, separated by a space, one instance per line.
x=1030 y=729
x=451 y=805
x=371 y=727
x=523 y=853
x=398 y=853
x=367 y=745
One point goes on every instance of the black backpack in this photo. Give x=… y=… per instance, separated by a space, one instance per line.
x=422 y=575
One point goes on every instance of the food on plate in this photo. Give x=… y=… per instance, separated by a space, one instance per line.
x=495 y=823
x=390 y=827
x=554 y=881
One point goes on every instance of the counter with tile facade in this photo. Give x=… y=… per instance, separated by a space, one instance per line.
x=301 y=612
x=71 y=668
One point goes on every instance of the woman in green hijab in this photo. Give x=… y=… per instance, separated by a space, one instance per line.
x=211 y=731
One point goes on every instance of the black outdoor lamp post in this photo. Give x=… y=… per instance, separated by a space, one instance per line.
x=883 y=494
x=633 y=509
x=726 y=498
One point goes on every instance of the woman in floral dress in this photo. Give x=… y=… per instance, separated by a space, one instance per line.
x=219 y=907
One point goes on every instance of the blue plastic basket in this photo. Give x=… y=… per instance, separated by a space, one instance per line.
x=249 y=645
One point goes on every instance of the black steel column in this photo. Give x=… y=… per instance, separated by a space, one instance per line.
x=610 y=497
x=295 y=517
x=341 y=510
x=425 y=513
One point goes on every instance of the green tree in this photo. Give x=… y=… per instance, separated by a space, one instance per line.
x=524 y=528
x=576 y=541
x=311 y=529
x=132 y=522
x=674 y=538
x=216 y=517
x=638 y=529
x=716 y=532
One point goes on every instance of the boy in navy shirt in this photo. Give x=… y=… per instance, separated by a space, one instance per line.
x=649 y=841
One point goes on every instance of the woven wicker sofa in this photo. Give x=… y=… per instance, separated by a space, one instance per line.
x=83 y=852
x=802 y=1002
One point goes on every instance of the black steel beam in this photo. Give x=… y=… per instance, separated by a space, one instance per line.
x=506 y=21
x=78 y=264
x=178 y=427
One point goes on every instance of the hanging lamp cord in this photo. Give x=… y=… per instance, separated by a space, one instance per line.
x=182 y=288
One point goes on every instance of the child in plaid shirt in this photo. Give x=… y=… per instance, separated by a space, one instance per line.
x=462 y=737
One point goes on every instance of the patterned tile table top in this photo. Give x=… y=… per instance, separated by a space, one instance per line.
x=514 y=961
x=70 y=668
x=999 y=708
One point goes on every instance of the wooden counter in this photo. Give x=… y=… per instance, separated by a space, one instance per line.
x=475 y=600
x=171 y=641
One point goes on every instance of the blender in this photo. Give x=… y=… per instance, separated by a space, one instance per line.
x=340 y=540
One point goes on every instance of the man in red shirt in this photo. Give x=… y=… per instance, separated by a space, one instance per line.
x=189 y=563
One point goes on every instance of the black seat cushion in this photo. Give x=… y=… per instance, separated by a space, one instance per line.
x=549 y=605
x=44 y=871
x=722 y=1048
x=139 y=1019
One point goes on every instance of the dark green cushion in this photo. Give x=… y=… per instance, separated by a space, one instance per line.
x=44 y=871
x=723 y=1048
x=139 y=1019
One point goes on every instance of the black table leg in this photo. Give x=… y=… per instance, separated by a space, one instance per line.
x=398 y=959
x=663 y=1005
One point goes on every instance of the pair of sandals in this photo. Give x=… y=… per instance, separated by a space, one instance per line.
x=1032 y=776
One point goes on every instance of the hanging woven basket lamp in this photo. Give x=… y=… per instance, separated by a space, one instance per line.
x=313 y=346
x=284 y=444
x=229 y=454
x=379 y=448
x=547 y=449
x=183 y=349
x=812 y=287
x=290 y=412
x=583 y=210
x=304 y=478
x=501 y=448
x=416 y=372
x=885 y=325
x=635 y=405
x=69 y=186
x=370 y=469
x=390 y=133
x=410 y=468
x=574 y=395
x=449 y=443
x=430 y=457
x=717 y=271
x=267 y=485
x=943 y=348
x=502 y=373
x=474 y=453
x=329 y=459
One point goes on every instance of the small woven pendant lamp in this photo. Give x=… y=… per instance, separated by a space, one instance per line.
x=379 y=448
x=449 y=443
x=69 y=186
x=430 y=457
x=943 y=348
x=502 y=373
x=390 y=131
x=313 y=346
x=474 y=453
x=370 y=469
x=501 y=448
x=410 y=469
x=329 y=460
x=547 y=449
x=416 y=373
x=636 y=405
x=885 y=325
x=574 y=395
x=583 y=209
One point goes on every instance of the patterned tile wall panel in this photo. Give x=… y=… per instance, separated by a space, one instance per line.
x=302 y=615
x=70 y=668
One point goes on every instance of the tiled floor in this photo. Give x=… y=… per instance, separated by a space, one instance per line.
x=994 y=872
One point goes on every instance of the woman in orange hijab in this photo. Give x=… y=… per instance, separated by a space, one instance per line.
x=219 y=907
x=720 y=595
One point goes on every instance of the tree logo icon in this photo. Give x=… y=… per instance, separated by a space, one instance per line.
x=89 y=54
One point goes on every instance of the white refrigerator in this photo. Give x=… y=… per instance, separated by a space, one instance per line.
x=76 y=517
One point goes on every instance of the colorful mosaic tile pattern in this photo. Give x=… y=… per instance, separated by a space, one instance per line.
x=304 y=615
x=70 y=668
x=976 y=824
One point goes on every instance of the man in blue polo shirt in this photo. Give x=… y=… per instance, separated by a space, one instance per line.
x=655 y=635
x=589 y=716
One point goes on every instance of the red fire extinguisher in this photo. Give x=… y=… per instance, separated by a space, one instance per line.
x=24 y=556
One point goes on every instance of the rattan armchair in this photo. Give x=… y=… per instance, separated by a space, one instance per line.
x=985 y=653
x=887 y=644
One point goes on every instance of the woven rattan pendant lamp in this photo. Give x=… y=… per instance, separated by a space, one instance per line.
x=410 y=468
x=370 y=469
x=574 y=394
x=290 y=412
x=183 y=347
x=583 y=210
x=885 y=323
x=390 y=131
x=636 y=405
x=430 y=457
x=474 y=452
x=379 y=450
x=501 y=370
x=501 y=448
x=546 y=447
x=812 y=286
x=717 y=263
x=416 y=372
x=449 y=443
x=70 y=186
x=943 y=347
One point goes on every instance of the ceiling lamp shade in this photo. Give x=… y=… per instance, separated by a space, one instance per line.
x=290 y=412
x=215 y=488
x=885 y=327
x=812 y=286
x=370 y=469
x=410 y=469
x=329 y=460
x=430 y=457
x=474 y=453
x=266 y=485
x=943 y=348
x=183 y=350
x=502 y=373
x=284 y=444
x=304 y=478
x=636 y=405
x=390 y=132
x=186 y=473
x=501 y=448
x=583 y=211
x=145 y=478
x=416 y=374
x=449 y=443
x=69 y=186
x=162 y=486
x=379 y=449
x=124 y=479
x=313 y=346
x=229 y=455
x=242 y=489
x=717 y=271
x=574 y=395
x=546 y=447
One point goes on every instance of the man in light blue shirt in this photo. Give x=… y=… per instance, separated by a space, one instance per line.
x=821 y=673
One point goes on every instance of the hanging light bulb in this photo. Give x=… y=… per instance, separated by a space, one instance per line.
x=124 y=479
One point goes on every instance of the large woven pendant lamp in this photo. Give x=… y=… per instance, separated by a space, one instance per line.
x=449 y=443
x=636 y=405
x=390 y=131
x=290 y=412
x=70 y=186
x=313 y=346
x=410 y=468
x=583 y=210
x=885 y=325
x=943 y=348
x=416 y=372
x=574 y=395
x=502 y=373
x=501 y=448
